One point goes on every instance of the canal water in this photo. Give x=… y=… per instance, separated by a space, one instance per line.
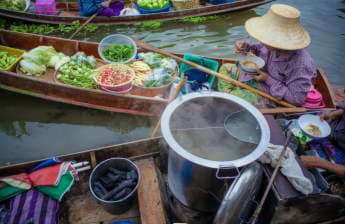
x=33 y=129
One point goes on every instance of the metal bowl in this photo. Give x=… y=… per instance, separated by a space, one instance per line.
x=257 y=60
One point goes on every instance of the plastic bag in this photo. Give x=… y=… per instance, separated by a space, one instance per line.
x=129 y=12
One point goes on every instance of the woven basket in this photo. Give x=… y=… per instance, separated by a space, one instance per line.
x=185 y=4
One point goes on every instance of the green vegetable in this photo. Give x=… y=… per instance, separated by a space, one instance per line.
x=16 y=5
x=118 y=52
x=31 y=68
x=153 y=4
x=6 y=60
x=78 y=71
x=40 y=55
x=158 y=82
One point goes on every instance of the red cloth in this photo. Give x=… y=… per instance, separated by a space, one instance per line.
x=48 y=176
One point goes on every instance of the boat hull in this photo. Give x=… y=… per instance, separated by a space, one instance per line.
x=46 y=87
x=201 y=11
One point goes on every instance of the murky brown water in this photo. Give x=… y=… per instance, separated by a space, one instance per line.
x=34 y=129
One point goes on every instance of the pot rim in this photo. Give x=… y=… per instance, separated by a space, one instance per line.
x=254 y=155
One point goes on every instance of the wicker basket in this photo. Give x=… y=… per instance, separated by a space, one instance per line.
x=185 y=4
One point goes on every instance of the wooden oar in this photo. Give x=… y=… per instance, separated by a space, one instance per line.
x=83 y=25
x=270 y=183
x=177 y=92
x=218 y=75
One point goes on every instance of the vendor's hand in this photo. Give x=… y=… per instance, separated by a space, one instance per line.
x=313 y=162
x=261 y=76
x=240 y=46
x=326 y=117
x=106 y=4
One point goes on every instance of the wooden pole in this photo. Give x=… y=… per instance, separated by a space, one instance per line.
x=178 y=90
x=83 y=25
x=218 y=75
x=273 y=177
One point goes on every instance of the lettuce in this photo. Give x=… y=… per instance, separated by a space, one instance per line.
x=40 y=55
x=31 y=68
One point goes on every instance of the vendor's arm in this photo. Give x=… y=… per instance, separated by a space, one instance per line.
x=293 y=90
x=317 y=162
x=90 y=7
x=243 y=47
x=332 y=115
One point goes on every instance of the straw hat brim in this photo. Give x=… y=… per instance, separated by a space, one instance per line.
x=280 y=36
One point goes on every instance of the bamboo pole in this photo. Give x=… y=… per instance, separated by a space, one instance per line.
x=218 y=75
x=178 y=90
x=83 y=25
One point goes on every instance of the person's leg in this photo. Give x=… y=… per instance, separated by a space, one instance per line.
x=106 y=12
x=117 y=7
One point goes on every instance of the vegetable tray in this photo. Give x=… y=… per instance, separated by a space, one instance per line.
x=15 y=52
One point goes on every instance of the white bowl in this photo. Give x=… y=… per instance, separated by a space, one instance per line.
x=307 y=119
x=257 y=60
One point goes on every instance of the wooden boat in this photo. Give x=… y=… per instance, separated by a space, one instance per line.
x=46 y=87
x=155 y=205
x=67 y=13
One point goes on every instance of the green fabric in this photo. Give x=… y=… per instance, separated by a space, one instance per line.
x=208 y=63
x=9 y=191
x=57 y=192
x=230 y=70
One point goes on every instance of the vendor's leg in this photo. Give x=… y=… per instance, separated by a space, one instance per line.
x=117 y=7
x=339 y=138
x=107 y=12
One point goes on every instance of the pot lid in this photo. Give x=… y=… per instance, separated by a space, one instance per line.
x=194 y=126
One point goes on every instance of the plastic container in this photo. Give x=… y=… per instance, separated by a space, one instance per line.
x=47 y=7
x=208 y=63
x=217 y=2
x=185 y=4
x=119 y=206
x=116 y=39
x=13 y=51
x=314 y=100
x=121 y=88
x=150 y=11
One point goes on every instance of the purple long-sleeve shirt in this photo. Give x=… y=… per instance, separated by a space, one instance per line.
x=291 y=73
x=338 y=127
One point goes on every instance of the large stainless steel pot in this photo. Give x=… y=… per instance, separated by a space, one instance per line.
x=198 y=182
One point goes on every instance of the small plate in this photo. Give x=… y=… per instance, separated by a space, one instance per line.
x=257 y=60
x=307 y=119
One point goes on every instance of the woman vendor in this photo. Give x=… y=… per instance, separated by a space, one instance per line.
x=102 y=7
x=290 y=70
x=337 y=122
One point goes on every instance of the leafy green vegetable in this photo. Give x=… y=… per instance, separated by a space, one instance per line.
x=118 y=52
x=158 y=82
x=16 y=5
x=6 y=60
x=31 y=68
x=149 y=24
x=79 y=71
x=40 y=55
x=44 y=28
x=198 y=19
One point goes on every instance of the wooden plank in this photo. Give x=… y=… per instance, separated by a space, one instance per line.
x=149 y=197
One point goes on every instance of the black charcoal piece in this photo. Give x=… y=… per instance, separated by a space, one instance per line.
x=132 y=175
x=98 y=192
x=120 y=194
x=113 y=177
x=101 y=187
x=105 y=180
x=116 y=171
x=120 y=187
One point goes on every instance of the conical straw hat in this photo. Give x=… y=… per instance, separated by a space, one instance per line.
x=279 y=28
